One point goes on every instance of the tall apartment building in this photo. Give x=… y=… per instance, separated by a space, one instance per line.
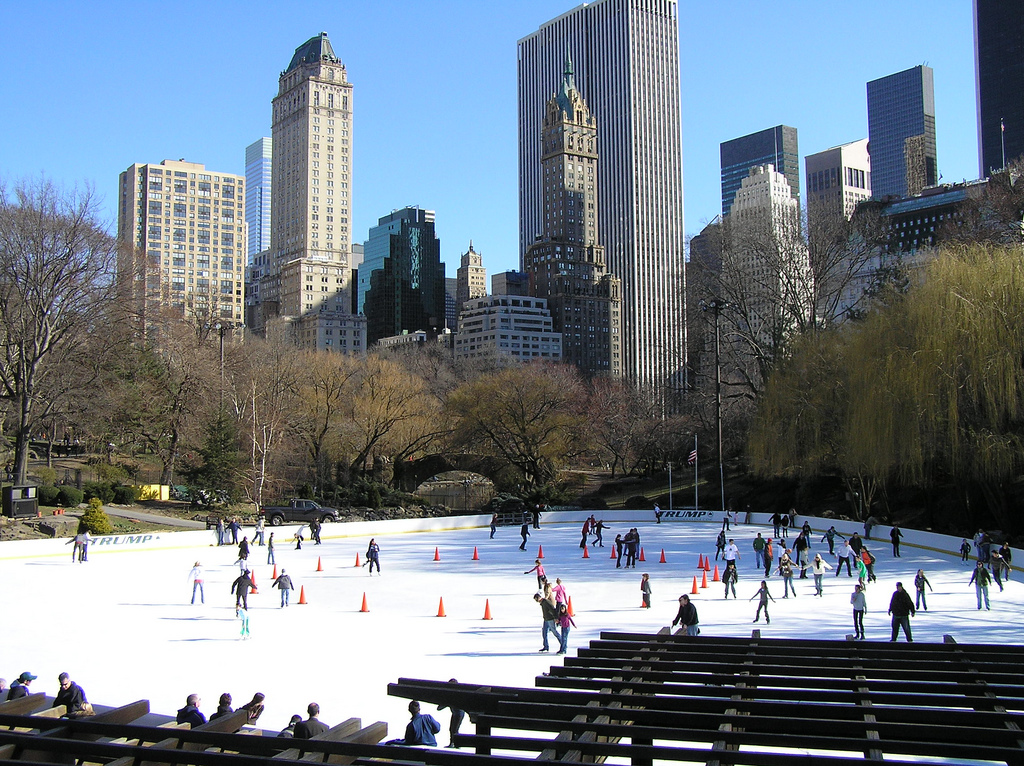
x=776 y=146
x=186 y=225
x=308 y=285
x=999 y=81
x=519 y=327
x=838 y=179
x=401 y=280
x=901 y=133
x=471 y=277
x=626 y=57
x=259 y=157
x=567 y=263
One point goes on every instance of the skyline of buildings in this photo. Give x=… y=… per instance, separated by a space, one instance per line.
x=776 y=146
x=901 y=132
x=999 y=81
x=626 y=59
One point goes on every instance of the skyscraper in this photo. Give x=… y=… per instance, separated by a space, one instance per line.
x=999 y=81
x=186 y=225
x=401 y=280
x=471 y=278
x=626 y=58
x=258 y=162
x=837 y=180
x=901 y=133
x=567 y=263
x=308 y=283
x=774 y=146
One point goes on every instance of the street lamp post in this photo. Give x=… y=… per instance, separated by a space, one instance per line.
x=222 y=328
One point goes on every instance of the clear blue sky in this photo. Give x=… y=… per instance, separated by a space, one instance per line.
x=90 y=88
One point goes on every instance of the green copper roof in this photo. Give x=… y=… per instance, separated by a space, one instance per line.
x=314 y=49
x=568 y=86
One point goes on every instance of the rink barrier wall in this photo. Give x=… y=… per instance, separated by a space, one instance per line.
x=104 y=544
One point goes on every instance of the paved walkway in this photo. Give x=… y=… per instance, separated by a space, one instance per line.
x=149 y=518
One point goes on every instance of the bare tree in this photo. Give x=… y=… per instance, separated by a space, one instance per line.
x=56 y=276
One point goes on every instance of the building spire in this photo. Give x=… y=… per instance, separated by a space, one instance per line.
x=568 y=87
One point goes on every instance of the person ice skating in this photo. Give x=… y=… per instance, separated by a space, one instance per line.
x=719 y=544
x=76 y=541
x=785 y=525
x=270 y=550
x=254 y=707
x=862 y=570
x=220 y=531
x=998 y=568
x=980 y=579
x=539 y=569
x=769 y=554
x=20 y=687
x=456 y=720
x=312 y=726
x=234 y=526
x=83 y=551
x=818 y=567
x=259 y=531
x=196 y=576
x=618 y=550
x=536 y=516
x=965 y=551
x=190 y=713
x=298 y=539
x=657 y=514
x=776 y=521
x=786 y=570
x=243 y=553
x=869 y=562
x=830 y=536
x=729 y=578
x=223 y=707
x=241 y=587
x=72 y=698
x=758 y=546
x=585 y=533
x=373 y=555
x=856 y=543
x=860 y=604
x=920 y=583
x=895 y=535
x=901 y=608
x=1007 y=553
x=869 y=524
x=525 y=532
x=645 y=590
x=725 y=521
x=494 y=524
x=565 y=622
x=687 y=617
x=314 y=531
x=599 y=529
x=422 y=728
x=632 y=544
x=559 y=592
x=549 y=613
x=284 y=582
x=763 y=597
x=242 y=613
x=802 y=544
x=844 y=557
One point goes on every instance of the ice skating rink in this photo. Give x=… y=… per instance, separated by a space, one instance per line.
x=122 y=626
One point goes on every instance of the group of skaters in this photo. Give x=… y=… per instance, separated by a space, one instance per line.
x=70 y=694
x=554 y=607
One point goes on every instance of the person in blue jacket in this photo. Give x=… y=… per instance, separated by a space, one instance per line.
x=422 y=728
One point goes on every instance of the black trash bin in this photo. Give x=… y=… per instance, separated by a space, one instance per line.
x=20 y=501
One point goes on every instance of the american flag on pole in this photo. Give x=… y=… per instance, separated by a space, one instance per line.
x=692 y=460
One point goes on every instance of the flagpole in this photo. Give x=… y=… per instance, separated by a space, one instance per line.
x=696 y=505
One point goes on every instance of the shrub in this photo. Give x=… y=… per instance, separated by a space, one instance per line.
x=99 y=489
x=639 y=503
x=593 y=503
x=95 y=519
x=69 y=497
x=125 y=495
x=48 y=495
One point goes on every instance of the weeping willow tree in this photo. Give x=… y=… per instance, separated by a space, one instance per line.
x=928 y=390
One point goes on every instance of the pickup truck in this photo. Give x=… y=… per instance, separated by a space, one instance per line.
x=298 y=511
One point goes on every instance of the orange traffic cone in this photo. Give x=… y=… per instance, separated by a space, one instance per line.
x=487 y=610
x=274 y=576
x=586 y=555
x=707 y=563
x=716 y=578
x=694 y=588
x=642 y=555
x=613 y=553
x=540 y=551
x=357 y=559
x=662 y=557
x=476 y=556
x=302 y=594
x=437 y=555
x=700 y=561
x=366 y=608
x=440 y=608
x=319 y=567
x=704 y=579
x=571 y=612
x=252 y=576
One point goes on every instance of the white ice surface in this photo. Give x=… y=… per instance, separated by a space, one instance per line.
x=122 y=624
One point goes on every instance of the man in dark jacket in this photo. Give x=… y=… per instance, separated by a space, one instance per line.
x=241 y=587
x=312 y=726
x=190 y=713
x=284 y=582
x=901 y=606
x=549 y=612
x=71 y=697
x=20 y=686
x=687 y=616
x=895 y=535
x=422 y=728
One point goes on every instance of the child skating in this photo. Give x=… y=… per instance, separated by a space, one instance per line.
x=645 y=590
x=763 y=595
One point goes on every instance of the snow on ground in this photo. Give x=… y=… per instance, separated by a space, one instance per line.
x=122 y=624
